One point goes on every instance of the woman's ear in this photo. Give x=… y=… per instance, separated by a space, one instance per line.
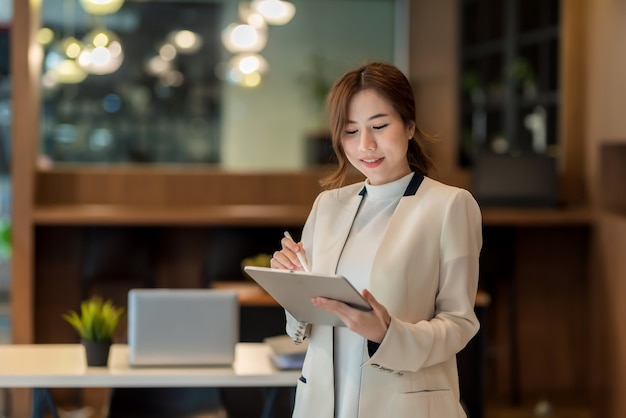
x=410 y=129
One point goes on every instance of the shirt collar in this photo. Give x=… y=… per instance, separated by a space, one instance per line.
x=410 y=190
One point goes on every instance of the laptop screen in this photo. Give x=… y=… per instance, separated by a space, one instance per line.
x=179 y=327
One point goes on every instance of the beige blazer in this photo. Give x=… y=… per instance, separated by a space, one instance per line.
x=425 y=272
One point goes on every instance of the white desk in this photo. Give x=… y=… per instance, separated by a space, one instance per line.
x=64 y=365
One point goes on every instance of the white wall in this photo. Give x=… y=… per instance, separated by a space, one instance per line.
x=6 y=12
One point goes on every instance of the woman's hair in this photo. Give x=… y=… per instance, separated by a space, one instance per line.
x=392 y=85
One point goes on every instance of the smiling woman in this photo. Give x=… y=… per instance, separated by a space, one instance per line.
x=175 y=104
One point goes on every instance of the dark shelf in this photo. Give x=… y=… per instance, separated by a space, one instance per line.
x=509 y=67
x=538 y=36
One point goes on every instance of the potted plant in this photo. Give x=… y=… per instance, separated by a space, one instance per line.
x=259 y=260
x=96 y=324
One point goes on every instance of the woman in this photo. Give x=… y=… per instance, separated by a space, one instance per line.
x=409 y=243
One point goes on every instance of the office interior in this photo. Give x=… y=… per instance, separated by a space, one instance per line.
x=553 y=265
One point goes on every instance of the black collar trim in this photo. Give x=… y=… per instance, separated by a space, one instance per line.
x=411 y=189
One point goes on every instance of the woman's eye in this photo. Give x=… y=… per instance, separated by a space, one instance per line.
x=350 y=131
x=381 y=126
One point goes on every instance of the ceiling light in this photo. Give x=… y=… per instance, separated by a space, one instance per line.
x=185 y=41
x=250 y=16
x=275 y=12
x=68 y=72
x=102 y=53
x=101 y=7
x=71 y=47
x=45 y=36
x=246 y=69
x=167 y=52
x=248 y=63
x=157 y=65
x=172 y=78
x=243 y=38
x=251 y=80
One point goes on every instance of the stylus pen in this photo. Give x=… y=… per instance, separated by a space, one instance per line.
x=299 y=254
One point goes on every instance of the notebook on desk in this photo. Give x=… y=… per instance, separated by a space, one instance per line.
x=182 y=327
x=286 y=355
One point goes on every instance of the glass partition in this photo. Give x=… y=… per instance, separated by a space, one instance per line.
x=185 y=109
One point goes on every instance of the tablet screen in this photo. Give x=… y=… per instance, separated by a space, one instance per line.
x=293 y=290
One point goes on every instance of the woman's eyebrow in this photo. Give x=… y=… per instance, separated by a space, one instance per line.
x=376 y=116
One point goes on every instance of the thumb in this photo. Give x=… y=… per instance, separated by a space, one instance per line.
x=367 y=295
x=377 y=308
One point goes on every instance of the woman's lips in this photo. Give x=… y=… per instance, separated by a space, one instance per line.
x=372 y=162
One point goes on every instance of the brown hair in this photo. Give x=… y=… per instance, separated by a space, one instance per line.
x=389 y=82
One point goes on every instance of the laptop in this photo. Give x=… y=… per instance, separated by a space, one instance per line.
x=182 y=327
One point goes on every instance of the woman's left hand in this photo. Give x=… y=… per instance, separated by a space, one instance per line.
x=371 y=325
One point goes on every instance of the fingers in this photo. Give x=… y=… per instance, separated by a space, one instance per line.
x=287 y=258
x=372 y=325
x=289 y=244
x=347 y=314
x=280 y=261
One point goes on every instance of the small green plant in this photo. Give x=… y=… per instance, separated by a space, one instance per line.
x=97 y=321
x=259 y=260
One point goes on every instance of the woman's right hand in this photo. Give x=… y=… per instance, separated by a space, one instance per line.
x=287 y=258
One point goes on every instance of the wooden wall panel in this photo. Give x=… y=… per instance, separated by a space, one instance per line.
x=537 y=322
x=25 y=71
x=57 y=282
x=552 y=271
x=605 y=102
x=608 y=310
x=573 y=73
x=612 y=184
x=433 y=72
x=164 y=187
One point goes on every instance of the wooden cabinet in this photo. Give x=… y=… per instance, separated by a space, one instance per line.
x=612 y=190
x=608 y=285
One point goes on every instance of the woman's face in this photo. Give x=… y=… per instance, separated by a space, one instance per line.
x=375 y=138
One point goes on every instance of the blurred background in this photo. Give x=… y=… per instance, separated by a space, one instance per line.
x=194 y=133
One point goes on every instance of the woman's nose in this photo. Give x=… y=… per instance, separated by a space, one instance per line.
x=367 y=142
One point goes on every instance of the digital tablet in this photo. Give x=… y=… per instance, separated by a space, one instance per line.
x=293 y=290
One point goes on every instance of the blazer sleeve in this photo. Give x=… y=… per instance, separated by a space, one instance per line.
x=297 y=330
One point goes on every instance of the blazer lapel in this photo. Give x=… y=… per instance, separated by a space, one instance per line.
x=396 y=227
x=339 y=229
